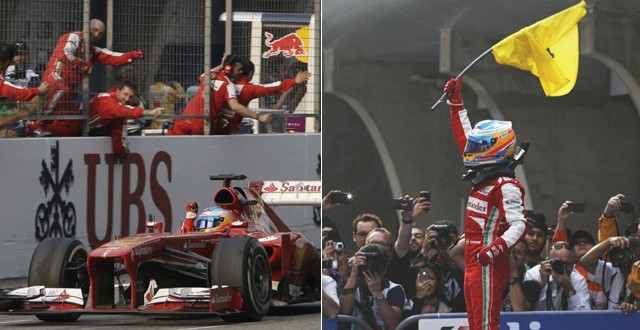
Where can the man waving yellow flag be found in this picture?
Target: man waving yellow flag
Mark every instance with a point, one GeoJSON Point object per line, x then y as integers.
{"type": "Point", "coordinates": [549, 49]}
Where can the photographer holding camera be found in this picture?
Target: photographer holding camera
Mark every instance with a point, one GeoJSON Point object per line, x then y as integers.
{"type": "Point", "coordinates": [437, 250]}
{"type": "Point", "coordinates": [563, 288]}
{"type": "Point", "coordinates": [607, 288]}
{"type": "Point", "coordinates": [362, 225]}
{"type": "Point", "coordinates": [334, 261]}
{"type": "Point", "coordinates": [407, 247]}
{"type": "Point", "coordinates": [367, 293]}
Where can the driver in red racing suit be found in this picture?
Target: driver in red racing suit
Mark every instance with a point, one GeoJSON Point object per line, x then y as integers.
{"type": "Point", "coordinates": [494, 217]}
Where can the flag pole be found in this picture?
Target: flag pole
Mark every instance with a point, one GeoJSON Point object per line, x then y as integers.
{"type": "Point", "coordinates": [444, 95]}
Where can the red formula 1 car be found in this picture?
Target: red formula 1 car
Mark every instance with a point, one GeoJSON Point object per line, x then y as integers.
{"type": "Point", "coordinates": [235, 260]}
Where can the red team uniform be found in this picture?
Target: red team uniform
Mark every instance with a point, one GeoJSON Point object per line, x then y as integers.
{"type": "Point", "coordinates": [62, 88]}
{"type": "Point", "coordinates": [16, 93]}
{"type": "Point", "coordinates": [244, 91]}
{"type": "Point", "coordinates": [494, 217]}
{"type": "Point", "coordinates": [247, 92]}
{"type": "Point", "coordinates": [108, 113]}
{"type": "Point", "coordinates": [223, 91]}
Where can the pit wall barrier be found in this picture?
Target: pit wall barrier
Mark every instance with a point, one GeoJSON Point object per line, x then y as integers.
{"type": "Point", "coordinates": [75, 187]}
{"type": "Point", "coordinates": [585, 320]}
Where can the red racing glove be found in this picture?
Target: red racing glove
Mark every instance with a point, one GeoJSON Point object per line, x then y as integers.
{"type": "Point", "coordinates": [134, 54]}
{"type": "Point", "coordinates": [453, 88]}
{"type": "Point", "coordinates": [489, 253]}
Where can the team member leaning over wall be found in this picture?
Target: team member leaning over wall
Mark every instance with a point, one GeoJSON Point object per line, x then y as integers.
{"type": "Point", "coordinates": [109, 112]}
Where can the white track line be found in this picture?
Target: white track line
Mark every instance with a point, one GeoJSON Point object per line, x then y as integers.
{"type": "Point", "coordinates": [16, 321]}
{"type": "Point", "coordinates": [208, 327]}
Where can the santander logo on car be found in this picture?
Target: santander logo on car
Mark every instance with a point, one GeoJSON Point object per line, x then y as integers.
{"type": "Point", "coordinates": [292, 187]}
{"type": "Point", "coordinates": [270, 188]}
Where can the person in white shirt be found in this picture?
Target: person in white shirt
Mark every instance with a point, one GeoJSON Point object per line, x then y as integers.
{"type": "Point", "coordinates": [19, 73]}
{"type": "Point", "coordinates": [607, 281]}
{"type": "Point", "coordinates": [330, 302]}
{"type": "Point", "coordinates": [563, 288]}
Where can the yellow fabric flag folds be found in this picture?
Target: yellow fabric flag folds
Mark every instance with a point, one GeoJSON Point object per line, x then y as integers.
{"type": "Point", "coordinates": [549, 49]}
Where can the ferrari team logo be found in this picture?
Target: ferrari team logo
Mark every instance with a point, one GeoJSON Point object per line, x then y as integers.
{"type": "Point", "coordinates": [55, 217]}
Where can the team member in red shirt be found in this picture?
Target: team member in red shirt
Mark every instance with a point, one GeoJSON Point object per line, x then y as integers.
{"type": "Point", "coordinates": [109, 111]}
{"type": "Point", "coordinates": [223, 95]}
{"type": "Point", "coordinates": [13, 92]}
{"type": "Point", "coordinates": [65, 70]}
{"type": "Point", "coordinates": [248, 91]}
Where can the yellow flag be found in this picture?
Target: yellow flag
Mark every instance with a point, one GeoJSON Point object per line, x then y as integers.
{"type": "Point", "coordinates": [549, 49]}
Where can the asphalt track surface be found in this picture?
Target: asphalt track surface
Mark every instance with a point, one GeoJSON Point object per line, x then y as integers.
{"type": "Point", "coordinates": [302, 316]}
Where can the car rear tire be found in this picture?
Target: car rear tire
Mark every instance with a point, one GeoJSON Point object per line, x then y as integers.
{"type": "Point", "coordinates": [59, 263]}
{"type": "Point", "coordinates": [243, 263]}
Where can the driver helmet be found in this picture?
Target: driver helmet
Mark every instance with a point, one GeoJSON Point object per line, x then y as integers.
{"type": "Point", "coordinates": [213, 218]}
{"type": "Point", "coordinates": [490, 142]}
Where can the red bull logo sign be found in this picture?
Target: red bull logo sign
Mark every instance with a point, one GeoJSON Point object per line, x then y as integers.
{"type": "Point", "coordinates": [291, 45]}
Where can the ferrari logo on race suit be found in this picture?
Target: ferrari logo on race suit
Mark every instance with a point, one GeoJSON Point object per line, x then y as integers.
{"type": "Point", "coordinates": [50, 180]}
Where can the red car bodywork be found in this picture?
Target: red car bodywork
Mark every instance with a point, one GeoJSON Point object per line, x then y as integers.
{"type": "Point", "coordinates": [183, 259]}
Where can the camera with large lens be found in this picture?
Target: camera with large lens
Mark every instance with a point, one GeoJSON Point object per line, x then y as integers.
{"type": "Point", "coordinates": [445, 233]}
{"type": "Point", "coordinates": [340, 197]}
{"type": "Point", "coordinates": [405, 203]}
{"type": "Point", "coordinates": [620, 257]}
{"type": "Point", "coordinates": [558, 266]}
{"type": "Point", "coordinates": [376, 257]}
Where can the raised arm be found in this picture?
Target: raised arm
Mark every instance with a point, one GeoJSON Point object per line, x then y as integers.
{"type": "Point", "coordinates": [607, 223]}
{"type": "Point", "coordinates": [590, 259]}
{"type": "Point", "coordinates": [460, 123]}
{"type": "Point", "coordinates": [109, 57]}
{"type": "Point", "coordinates": [560, 234]}
{"type": "Point", "coordinates": [404, 227]}
{"type": "Point", "coordinates": [278, 87]}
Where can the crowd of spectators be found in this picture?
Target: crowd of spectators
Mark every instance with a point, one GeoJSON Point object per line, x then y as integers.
{"type": "Point", "coordinates": [420, 270]}
{"type": "Point", "coordinates": [229, 84]}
